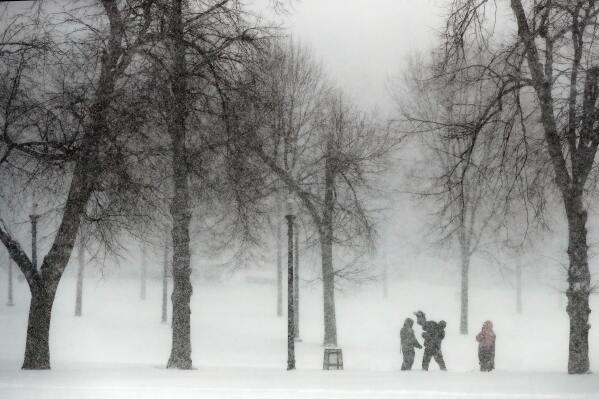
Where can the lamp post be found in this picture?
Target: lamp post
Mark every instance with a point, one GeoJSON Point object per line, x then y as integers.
{"type": "Point", "coordinates": [290, 216]}
{"type": "Point", "coordinates": [296, 333]}
{"type": "Point", "coordinates": [34, 217]}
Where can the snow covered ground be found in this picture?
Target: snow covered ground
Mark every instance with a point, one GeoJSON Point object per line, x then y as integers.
{"type": "Point", "coordinates": [118, 349]}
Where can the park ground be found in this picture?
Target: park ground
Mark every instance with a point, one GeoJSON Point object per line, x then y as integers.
{"type": "Point", "coordinates": [119, 348]}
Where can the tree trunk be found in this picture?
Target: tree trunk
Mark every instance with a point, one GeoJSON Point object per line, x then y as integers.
{"type": "Point", "coordinates": [182, 289]}
{"type": "Point", "coordinates": [465, 270]}
{"type": "Point", "coordinates": [81, 267]}
{"type": "Point", "coordinates": [296, 284]}
{"type": "Point", "coordinates": [326, 241]}
{"type": "Point", "coordinates": [290, 296]}
{"type": "Point", "coordinates": [519, 287]}
{"type": "Point", "coordinates": [165, 283]}
{"type": "Point", "coordinates": [37, 348]}
{"type": "Point", "coordinates": [328, 287]}
{"type": "Point", "coordinates": [464, 243]}
{"type": "Point", "coordinates": [180, 210]}
{"type": "Point", "coordinates": [144, 273]}
{"type": "Point", "coordinates": [10, 301]}
{"type": "Point", "coordinates": [279, 260]}
{"type": "Point", "coordinates": [579, 283]}
{"type": "Point", "coordinates": [33, 217]}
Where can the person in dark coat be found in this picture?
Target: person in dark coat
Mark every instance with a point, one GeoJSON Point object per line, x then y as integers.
{"type": "Point", "coordinates": [486, 347]}
{"type": "Point", "coordinates": [433, 334]}
{"type": "Point", "coordinates": [408, 343]}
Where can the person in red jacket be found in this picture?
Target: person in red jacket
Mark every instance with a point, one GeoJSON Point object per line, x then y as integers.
{"type": "Point", "coordinates": [486, 347]}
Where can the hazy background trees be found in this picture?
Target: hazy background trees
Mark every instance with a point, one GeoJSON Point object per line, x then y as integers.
{"type": "Point", "coordinates": [329, 153]}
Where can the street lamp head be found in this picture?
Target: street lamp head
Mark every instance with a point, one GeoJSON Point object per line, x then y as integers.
{"type": "Point", "coordinates": [34, 215]}
{"type": "Point", "coordinates": [290, 208]}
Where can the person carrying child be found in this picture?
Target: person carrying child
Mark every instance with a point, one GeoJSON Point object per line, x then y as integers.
{"type": "Point", "coordinates": [433, 334]}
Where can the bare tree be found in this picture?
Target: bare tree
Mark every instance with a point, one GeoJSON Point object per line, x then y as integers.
{"type": "Point", "coordinates": [551, 62]}
{"type": "Point", "coordinates": [79, 148]}
{"type": "Point", "coordinates": [469, 211]}
{"type": "Point", "coordinates": [191, 68]}
{"type": "Point", "coordinates": [333, 151]}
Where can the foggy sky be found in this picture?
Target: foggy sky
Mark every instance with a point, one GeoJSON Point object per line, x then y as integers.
{"type": "Point", "coordinates": [362, 43]}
